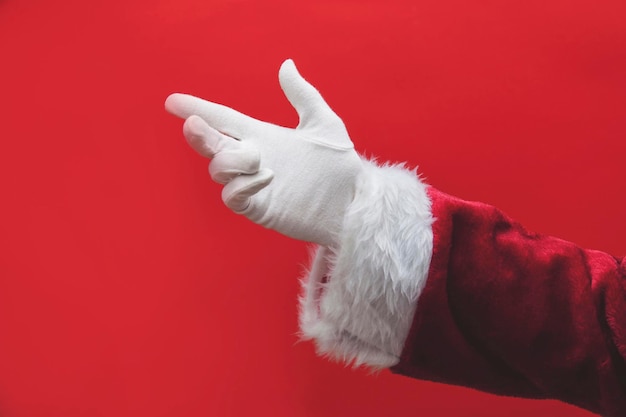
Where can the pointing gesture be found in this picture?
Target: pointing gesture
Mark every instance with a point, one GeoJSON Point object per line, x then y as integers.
{"type": "Point", "coordinates": [299, 181]}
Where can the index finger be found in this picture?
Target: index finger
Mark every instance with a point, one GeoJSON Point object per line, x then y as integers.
{"type": "Point", "coordinates": [224, 119]}
{"type": "Point", "coordinates": [204, 139]}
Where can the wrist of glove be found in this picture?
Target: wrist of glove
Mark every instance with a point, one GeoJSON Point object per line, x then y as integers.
{"type": "Point", "coordinates": [297, 181]}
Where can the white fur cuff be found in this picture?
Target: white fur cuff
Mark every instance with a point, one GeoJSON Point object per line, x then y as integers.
{"type": "Point", "coordinates": [358, 301]}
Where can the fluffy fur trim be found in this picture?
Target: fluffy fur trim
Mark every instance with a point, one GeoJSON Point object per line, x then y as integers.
{"type": "Point", "coordinates": [359, 299]}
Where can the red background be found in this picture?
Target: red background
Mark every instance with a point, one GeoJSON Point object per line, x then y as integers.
{"type": "Point", "coordinates": [127, 289]}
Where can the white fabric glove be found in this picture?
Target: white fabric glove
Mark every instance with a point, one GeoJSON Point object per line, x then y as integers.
{"type": "Point", "coordinates": [299, 181]}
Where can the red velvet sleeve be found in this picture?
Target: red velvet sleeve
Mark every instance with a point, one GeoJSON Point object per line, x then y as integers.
{"type": "Point", "coordinates": [516, 313]}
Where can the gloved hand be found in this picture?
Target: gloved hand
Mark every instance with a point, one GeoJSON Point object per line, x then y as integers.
{"type": "Point", "coordinates": [299, 181]}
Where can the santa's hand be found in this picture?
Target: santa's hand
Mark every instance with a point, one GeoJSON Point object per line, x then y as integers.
{"type": "Point", "coordinates": [299, 181]}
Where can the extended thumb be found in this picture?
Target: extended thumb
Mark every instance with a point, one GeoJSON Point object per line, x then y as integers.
{"type": "Point", "coordinates": [305, 98]}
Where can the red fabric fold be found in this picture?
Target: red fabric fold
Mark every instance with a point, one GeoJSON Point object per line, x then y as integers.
{"type": "Point", "coordinates": [517, 313]}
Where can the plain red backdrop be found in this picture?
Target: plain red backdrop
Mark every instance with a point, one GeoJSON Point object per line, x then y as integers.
{"type": "Point", "coordinates": [127, 289]}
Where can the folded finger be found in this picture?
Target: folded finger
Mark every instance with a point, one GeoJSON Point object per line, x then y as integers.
{"type": "Point", "coordinates": [204, 139]}
{"type": "Point", "coordinates": [228, 164]}
{"type": "Point", "coordinates": [237, 193]}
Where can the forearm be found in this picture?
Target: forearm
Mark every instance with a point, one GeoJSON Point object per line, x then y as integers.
{"type": "Point", "coordinates": [522, 314]}
{"type": "Point", "coordinates": [503, 310]}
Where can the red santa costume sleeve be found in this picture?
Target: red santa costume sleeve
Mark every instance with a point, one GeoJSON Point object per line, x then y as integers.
{"type": "Point", "coordinates": [446, 290]}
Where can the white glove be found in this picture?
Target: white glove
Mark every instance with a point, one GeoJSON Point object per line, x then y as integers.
{"type": "Point", "coordinates": [299, 181]}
